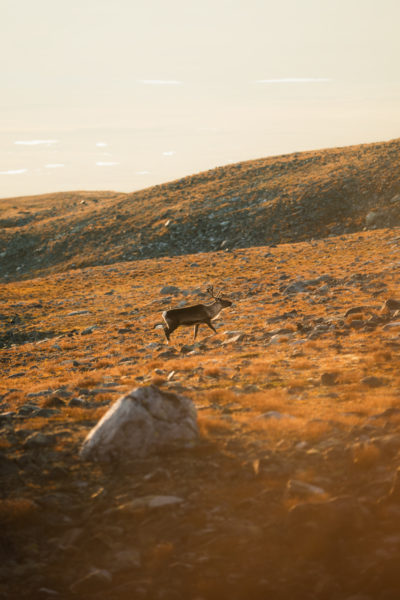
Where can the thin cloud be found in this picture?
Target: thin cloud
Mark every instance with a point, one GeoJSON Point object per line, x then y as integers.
{"type": "Point", "coordinates": [54, 165]}
{"type": "Point", "coordinates": [169, 153]}
{"type": "Point", "coordinates": [35, 142]}
{"type": "Point", "coordinates": [14, 172]}
{"type": "Point", "coordinates": [106, 164]}
{"type": "Point", "coordinates": [142, 172]}
{"type": "Point", "coordinates": [101, 144]}
{"type": "Point", "coordinates": [294, 80]}
{"type": "Point", "coordinates": [160, 81]}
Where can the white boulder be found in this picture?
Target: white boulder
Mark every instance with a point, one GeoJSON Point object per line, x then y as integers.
{"type": "Point", "coordinates": [144, 422]}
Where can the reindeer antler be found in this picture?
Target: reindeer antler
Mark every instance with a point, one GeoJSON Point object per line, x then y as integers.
{"type": "Point", "coordinates": [210, 290]}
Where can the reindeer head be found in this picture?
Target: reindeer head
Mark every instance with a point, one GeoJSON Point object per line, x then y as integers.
{"type": "Point", "coordinates": [218, 298]}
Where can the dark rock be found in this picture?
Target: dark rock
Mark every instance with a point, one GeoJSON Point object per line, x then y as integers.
{"type": "Point", "coordinates": [27, 410]}
{"type": "Point", "coordinates": [88, 330]}
{"type": "Point", "coordinates": [38, 440]}
{"type": "Point", "coordinates": [357, 324]}
{"type": "Point", "coordinates": [79, 403]}
{"type": "Point", "coordinates": [373, 381]}
{"type": "Point", "coordinates": [47, 412]}
{"type": "Point", "coordinates": [7, 416]}
{"type": "Point", "coordinates": [391, 304]}
{"type": "Point", "coordinates": [170, 289]}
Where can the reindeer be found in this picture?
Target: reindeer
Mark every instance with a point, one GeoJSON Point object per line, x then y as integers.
{"type": "Point", "coordinates": [194, 315]}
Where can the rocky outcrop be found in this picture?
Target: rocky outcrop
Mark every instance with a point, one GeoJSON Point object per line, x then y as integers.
{"type": "Point", "coordinates": [144, 422]}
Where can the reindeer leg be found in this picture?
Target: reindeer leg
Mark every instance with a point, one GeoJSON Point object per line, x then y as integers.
{"type": "Point", "coordinates": [171, 328]}
{"type": "Point", "coordinates": [196, 328]}
{"type": "Point", "coordinates": [166, 331]}
{"type": "Point", "coordinates": [211, 326]}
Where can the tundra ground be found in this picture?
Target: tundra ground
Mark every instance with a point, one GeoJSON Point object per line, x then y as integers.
{"type": "Point", "coordinates": [293, 489]}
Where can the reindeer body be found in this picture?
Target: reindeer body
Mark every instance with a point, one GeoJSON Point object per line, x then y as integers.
{"type": "Point", "coordinates": [193, 315]}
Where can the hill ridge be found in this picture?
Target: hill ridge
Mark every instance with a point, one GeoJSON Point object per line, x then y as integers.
{"type": "Point", "coordinates": [287, 198]}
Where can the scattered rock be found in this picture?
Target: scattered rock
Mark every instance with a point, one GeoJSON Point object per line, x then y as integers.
{"type": "Point", "coordinates": [274, 414]}
{"type": "Point", "coordinates": [7, 416]}
{"type": "Point", "coordinates": [390, 304]}
{"type": "Point", "coordinates": [47, 412]}
{"type": "Point", "coordinates": [27, 410]}
{"type": "Point", "coordinates": [277, 339]}
{"type": "Point", "coordinates": [295, 487]}
{"type": "Point", "coordinates": [373, 381]}
{"type": "Point", "coordinates": [38, 440]}
{"type": "Point", "coordinates": [357, 324]}
{"type": "Point", "coordinates": [300, 285]}
{"type": "Point", "coordinates": [125, 560]}
{"type": "Point", "coordinates": [79, 403]}
{"type": "Point", "coordinates": [186, 348]}
{"type": "Point", "coordinates": [372, 218]}
{"type": "Point", "coordinates": [145, 421]}
{"type": "Point", "coordinates": [170, 353]}
{"type": "Point", "coordinates": [94, 581]}
{"type": "Point", "coordinates": [394, 325]}
{"type": "Point", "coordinates": [170, 289]}
{"type": "Point", "coordinates": [329, 378]}
{"type": "Point", "coordinates": [150, 502]}
{"type": "Point", "coordinates": [356, 310]}
{"type": "Point", "coordinates": [236, 338]}
{"type": "Point", "coordinates": [40, 394]}
{"type": "Point", "coordinates": [88, 330]}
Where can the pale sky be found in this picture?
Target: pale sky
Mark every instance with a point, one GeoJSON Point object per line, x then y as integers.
{"type": "Point", "coordinates": [124, 94]}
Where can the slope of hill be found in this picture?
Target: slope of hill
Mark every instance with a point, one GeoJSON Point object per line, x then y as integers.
{"type": "Point", "coordinates": [293, 490]}
{"type": "Point", "coordinates": [267, 201]}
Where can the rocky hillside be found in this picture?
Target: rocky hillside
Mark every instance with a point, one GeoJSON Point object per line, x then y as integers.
{"type": "Point", "coordinates": [292, 490]}
{"type": "Point", "coordinates": [281, 199]}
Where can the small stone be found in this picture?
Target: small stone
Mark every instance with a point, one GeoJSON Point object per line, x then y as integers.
{"type": "Point", "coordinates": [357, 324]}
{"type": "Point", "coordinates": [324, 289]}
{"type": "Point", "coordinates": [168, 353]}
{"type": "Point", "coordinates": [79, 403]}
{"type": "Point", "coordinates": [125, 560]}
{"type": "Point", "coordinates": [7, 416]}
{"type": "Point", "coordinates": [329, 378]}
{"type": "Point", "coordinates": [296, 487]}
{"type": "Point", "coordinates": [372, 218]}
{"type": "Point", "coordinates": [47, 412]}
{"type": "Point", "coordinates": [150, 502]}
{"type": "Point", "coordinates": [54, 402]}
{"type": "Point", "coordinates": [186, 348]}
{"type": "Point", "coordinates": [278, 338]}
{"type": "Point", "coordinates": [373, 381]}
{"type": "Point", "coordinates": [27, 410]}
{"type": "Point", "coordinates": [391, 304]}
{"type": "Point", "coordinates": [38, 440]}
{"type": "Point", "coordinates": [236, 338]}
{"type": "Point", "coordinates": [274, 414]}
{"type": "Point", "coordinates": [88, 330]}
{"type": "Point", "coordinates": [394, 325]}
{"type": "Point", "coordinates": [170, 289]}
{"type": "Point", "coordinates": [95, 580]}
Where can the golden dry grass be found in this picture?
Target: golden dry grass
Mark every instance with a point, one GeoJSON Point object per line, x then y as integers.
{"type": "Point", "coordinates": [265, 416]}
